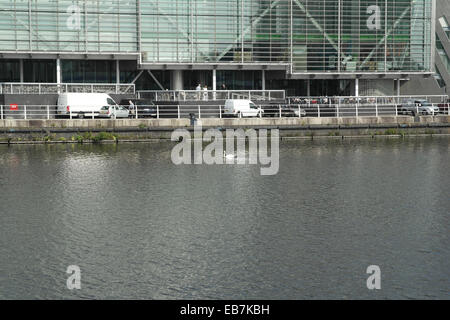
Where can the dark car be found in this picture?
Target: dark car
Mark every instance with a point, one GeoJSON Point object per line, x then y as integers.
{"type": "Point", "coordinates": [444, 108]}
{"type": "Point", "coordinates": [145, 108]}
{"type": "Point", "coordinates": [273, 110]}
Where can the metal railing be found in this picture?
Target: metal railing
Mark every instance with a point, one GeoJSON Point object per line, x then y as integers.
{"type": "Point", "coordinates": [55, 88]}
{"type": "Point", "coordinates": [299, 110]}
{"type": "Point", "coordinates": [372, 105]}
{"type": "Point", "coordinates": [367, 100]}
{"type": "Point", "coordinates": [210, 95]}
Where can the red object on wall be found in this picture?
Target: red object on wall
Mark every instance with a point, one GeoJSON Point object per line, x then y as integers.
{"type": "Point", "coordinates": [13, 107]}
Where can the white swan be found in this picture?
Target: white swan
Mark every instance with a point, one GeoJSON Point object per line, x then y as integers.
{"type": "Point", "coordinates": [228, 156]}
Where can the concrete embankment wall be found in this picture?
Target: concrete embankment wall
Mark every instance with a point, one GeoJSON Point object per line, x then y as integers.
{"type": "Point", "coordinates": [212, 122]}
{"type": "Point", "coordinates": [162, 128]}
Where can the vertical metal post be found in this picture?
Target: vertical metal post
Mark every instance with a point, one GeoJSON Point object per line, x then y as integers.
{"type": "Point", "coordinates": [299, 112]}
{"type": "Point", "coordinates": [220, 112]}
{"type": "Point", "coordinates": [157, 112]}
{"type": "Point", "coordinates": [199, 112]}
{"type": "Point", "coordinates": [30, 26]}
{"type": "Point", "coordinates": [48, 112]}
{"type": "Point", "coordinates": [139, 25]}
{"type": "Point", "coordinates": [339, 36]}
{"type": "Point", "coordinates": [242, 32]}
{"type": "Point", "coordinates": [136, 112]}
{"type": "Point", "coordinates": [318, 110]}
{"type": "Point", "coordinates": [376, 108]}
{"type": "Point", "coordinates": [291, 36]}
{"type": "Point", "coordinates": [179, 115]}
{"type": "Point", "coordinates": [25, 112]}
{"type": "Point", "coordinates": [279, 108]}
{"type": "Point", "coordinates": [356, 107]}
{"type": "Point", "coordinates": [386, 33]}
{"type": "Point", "coordinates": [337, 107]}
{"type": "Point", "coordinates": [1, 111]}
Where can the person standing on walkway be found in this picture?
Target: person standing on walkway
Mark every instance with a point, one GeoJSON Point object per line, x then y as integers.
{"type": "Point", "coordinates": [199, 88]}
{"type": "Point", "coordinates": [131, 108]}
{"type": "Point", "coordinates": [224, 89]}
{"type": "Point", "coordinates": [205, 93]}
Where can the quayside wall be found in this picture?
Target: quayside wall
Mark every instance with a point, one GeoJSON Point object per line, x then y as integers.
{"type": "Point", "coordinates": [135, 129]}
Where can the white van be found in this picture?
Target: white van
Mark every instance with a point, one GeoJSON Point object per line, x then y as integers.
{"type": "Point", "coordinates": [242, 108]}
{"type": "Point", "coordinates": [83, 104]}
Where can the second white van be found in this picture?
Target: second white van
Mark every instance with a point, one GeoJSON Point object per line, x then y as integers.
{"type": "Point", "coordinates": [83, 104]}
{"type": "Point", "coordinates": [241, 108]}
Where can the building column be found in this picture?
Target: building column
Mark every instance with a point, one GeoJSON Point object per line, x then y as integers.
{"type": "Point", "coordinates": [214, 83]}
{"type": "Point", "coordinates": [21, 70]}
{"type": "Point", "coordinates": [356, 87]}
{"type": "Point", "coordinates": [176, 80]}
{"type": "Point", "coordinates": [58, 70]}
{"type": "Point", "coordinates": [214, 79]}
{"type": "Point", "coordinates": [263, 76]}
{"type": "Point", "coordinates": [117, 71]}
{"type": "Point", "coordinates": [398, 87]}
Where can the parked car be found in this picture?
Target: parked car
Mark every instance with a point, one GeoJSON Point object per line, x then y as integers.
{"type": "Point", "coordinates": [444, 108]}
{"type": "Point", "coordinates": [241, 108]}
{"type": "Point", "coordinates": [113, 112]}
{"type": "Point", "coordinates": [286, 111]}
{"type": "Point", "coordinates": [415, 107]}
{"type": "Point", "coordinates": [145, 108]}
{"type": "Point", "coordinates": [83, 104]}
{"type": "Point", "coordinates": [298, 112]}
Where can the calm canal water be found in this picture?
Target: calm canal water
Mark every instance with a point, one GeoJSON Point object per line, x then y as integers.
{"type": "Point", "coordinates": [140, 227]}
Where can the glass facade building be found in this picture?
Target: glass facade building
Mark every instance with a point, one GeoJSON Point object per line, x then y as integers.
{"type": "Point", "coordinates": [304, 38]}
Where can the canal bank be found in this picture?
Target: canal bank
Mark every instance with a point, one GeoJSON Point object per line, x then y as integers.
{"type": "Point", "coordinates": [94, 130]}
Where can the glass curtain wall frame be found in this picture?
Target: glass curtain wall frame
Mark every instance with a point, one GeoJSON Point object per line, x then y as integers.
{"type": "Point", "coordinates": [215, 31]}
{"type": "Point", "coordinates": [69, 26]}
{"type": "Point", "coordinates": [313, 36]}
{"type": "Point", "coordinates": [374, 36]}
